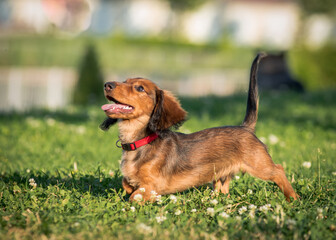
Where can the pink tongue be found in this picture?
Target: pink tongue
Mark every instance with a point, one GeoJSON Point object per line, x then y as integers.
{"type": "Point", "coordinates": [108, 106]}
{"type": "Point", "coordinates": [116, 108]}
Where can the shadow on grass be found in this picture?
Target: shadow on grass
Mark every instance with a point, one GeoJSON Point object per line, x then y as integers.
{"type": "Point", "coordinates": [96, 185]}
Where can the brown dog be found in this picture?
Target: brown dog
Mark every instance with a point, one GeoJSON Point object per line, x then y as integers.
{"type": "Point", "coordinates": [158, 159]}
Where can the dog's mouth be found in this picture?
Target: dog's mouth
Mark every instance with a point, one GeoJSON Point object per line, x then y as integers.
{"type": "Point", "coordinates": [116, 107]}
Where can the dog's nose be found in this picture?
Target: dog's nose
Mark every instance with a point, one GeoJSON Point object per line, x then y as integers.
{"type": "Point", "coordinates": [109, 86]}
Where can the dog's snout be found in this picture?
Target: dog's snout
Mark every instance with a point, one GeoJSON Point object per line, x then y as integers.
{"type": "Point", "coordinates": [109, 86]}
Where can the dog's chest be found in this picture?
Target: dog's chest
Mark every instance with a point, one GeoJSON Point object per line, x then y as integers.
{"type": "Point", "coordinates": [129, 170]}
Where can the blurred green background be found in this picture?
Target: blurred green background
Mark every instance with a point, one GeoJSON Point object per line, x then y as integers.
{"type": "Point", "coordinates": [44, 46]}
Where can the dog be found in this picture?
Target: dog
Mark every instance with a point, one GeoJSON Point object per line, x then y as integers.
{"type": "Point", "coordinates": [156, 159]}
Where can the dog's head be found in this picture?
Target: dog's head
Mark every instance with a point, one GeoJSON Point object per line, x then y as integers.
{"type": "Point", "coordinates": [138, 99]}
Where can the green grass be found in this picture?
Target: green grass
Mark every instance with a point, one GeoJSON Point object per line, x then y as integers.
{"type": "Point", "coordinates": [89, 202]}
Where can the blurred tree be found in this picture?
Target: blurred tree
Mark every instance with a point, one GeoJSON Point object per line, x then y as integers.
{"type": "Point", "coordinates": [89, 88]}
{"type": "Point", "coordinates": [318, 6]}
{"type": "Point", "coordinates": [184, 5]}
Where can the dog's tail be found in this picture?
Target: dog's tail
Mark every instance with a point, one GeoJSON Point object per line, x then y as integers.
{"type": "Point", "coordinates": [251, 115]}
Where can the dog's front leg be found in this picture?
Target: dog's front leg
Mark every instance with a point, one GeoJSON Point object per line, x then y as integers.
{"type": "Point", "coordinates": [143, 194]}
{"type": "Point", "coordinates": [128, 188]}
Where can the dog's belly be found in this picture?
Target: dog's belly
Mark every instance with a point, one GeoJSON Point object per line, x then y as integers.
{"type": "Point", "coordinates": [196, 177]}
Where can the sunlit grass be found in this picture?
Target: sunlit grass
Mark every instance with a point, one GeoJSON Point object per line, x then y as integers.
{"type": "Point", "coordinates": [59, 176]}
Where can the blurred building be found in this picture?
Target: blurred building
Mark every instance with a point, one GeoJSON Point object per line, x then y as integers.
{"type": "Point", "coordinates": [274, 23]}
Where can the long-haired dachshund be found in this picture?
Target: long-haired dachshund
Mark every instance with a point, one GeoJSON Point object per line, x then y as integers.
{"type": "Point", "coordinates": [157, 159]}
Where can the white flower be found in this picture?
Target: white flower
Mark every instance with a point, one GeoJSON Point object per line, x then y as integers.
{"type": "Point", "coordinates": [137, 197]}
{"type": "Point", "coordinates": [123, 209]}
{"type": "Point", "coordinates": [273, 139]}
{"type": "Point", "coordinates": [153, 193]}
{"type": "Point", "coordinates": [224, 215]}
{"type": "Point", "coordinates": [142, 190]}
{"type": "Point", "coordinates": [211, 211]}
{"type": "Point", "coordinates": [178, 212]}
{"type": "Point", "coordinates": [249, 191]}
{"type": "Point", "coordinates": [133, 209]}
{"type": "Point", "coordinates": [144, 229]}
{"type": "Point", "coordinates": [265, 208]}
{"type": "Point", "coordinates": [193, 210]}
{"type": "Point", "coordinates": [319, 213]}
{"type": "Point", "coordinates": [32, 182]}
{"type": "Point", "coordinates": [237, 177]}
{"type": "Point", "coordinates": [160, 219]}
{"type": "Point", "coordinates": [242, 210]}
{"type": "Point", "coordinates": [28, 171]}
{"type": "Point", "coordinates": [214, 202]}
{"type": "Point", "coordinates": [306, 164]}
{"type": "Point", "coordinates": [173, 198]}
{"type": "Point", "coordinates": [158, 199]}
{"type": "Point", "coordinates": [252, 207]}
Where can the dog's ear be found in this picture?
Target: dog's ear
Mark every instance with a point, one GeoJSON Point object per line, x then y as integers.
{"type": "Point", "coordinates": [167, 112]}
{"type": "Point", "coordinates": [108, 122]}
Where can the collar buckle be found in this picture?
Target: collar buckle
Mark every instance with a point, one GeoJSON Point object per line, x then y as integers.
{"type": "Point", "coordinates": [129, 146]}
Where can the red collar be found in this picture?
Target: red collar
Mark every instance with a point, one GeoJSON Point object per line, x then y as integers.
{"type": "Point", "coordinates": [134, 145]}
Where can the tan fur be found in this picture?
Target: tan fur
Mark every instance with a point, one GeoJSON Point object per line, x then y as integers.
{"type": "Point", "coordinates": [175, 161]}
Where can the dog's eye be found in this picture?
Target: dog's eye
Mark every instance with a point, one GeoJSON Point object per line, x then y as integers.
{"type": "Point", "coordinates": [140, 88]}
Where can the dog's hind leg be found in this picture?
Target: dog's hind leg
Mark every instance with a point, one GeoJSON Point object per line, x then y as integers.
{"type": "Point", "coordinates": [222, 185]}
{"type": "Point", "coordinates": [265, 169]}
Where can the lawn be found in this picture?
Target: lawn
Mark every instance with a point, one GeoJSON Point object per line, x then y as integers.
{"type": "Point", "coordinates": [60, 178]}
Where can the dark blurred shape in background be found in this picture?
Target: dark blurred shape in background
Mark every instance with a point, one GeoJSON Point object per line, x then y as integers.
{"type": "Point", "coordinates": [274, 74]}
{"type": "Point", "coordinates": [191, 47]}
{"type": "Point", "coordinates": [89, 86]}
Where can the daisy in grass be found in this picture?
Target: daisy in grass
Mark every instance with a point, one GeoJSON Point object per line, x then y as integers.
{"type": "Point", "coordinates": [32, 182]}
{"type": "Point", "coordinates": [211, 211]}
{"type": "Point", "coordinates": [265, 208]}
{"type": "Point", "coordinates": [242, 210]}
{"type": "Point", "coordinates": [160, 219]}
{"type": "Point", "coordinates": [273, 139]}
{"type": "Point", "coordinates": [306, 164]}
{"type": "Point", "coordinates": [224, 215]}
{"type": "Point", "coordinates": [173, 198]}
{"type": "Point", "coordinates": [137, 197]}
{"type": "Point", "coordinates": [178, 212]}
